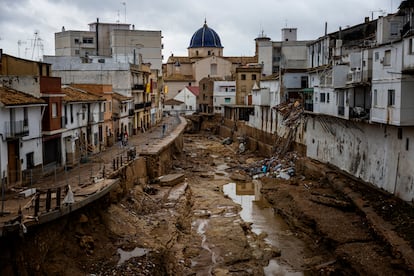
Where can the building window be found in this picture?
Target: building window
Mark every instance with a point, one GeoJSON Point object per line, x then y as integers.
{"type": "Point", "coordinates": [213, 69]}
{"type": "Point", "coordinates": [209, 53]}
{"type": "Point", "coordinates": [303, 82]}
{"type": "Point", "coordinates": [387, 58]}
{"type": "Point", "coordinates": [376, 56]}
{"type": "Point", "coordinates": [276, 59]}
{"type": "Point", "coordinates": [410, 46]}
{"type": "Point", "coordinates": [375, 97]}
{"type": "Point", "coordinates": [71, 113]}
{"type": "Point", "coordinates": [76, 40]}
{"type": "Point", "coordinates": [322, 97]}
{"type": "Point", "coordinates": [30, 160]}
{"type": "Point", "coordinates": [104, 107]}
{"type": "Point", "coordinates": [77, 52]}
{"type": "Point", "coordinates": [54, 110]}
{"type": "Point", "coordinates": [25, 117]}
{"type": "Point", "coordinates": [243, 77]}
{"type": "Point", "coordinates": [327, 97]}
{"type": "Point", "coordinates": [87, 40]}
{"type": "Point", "coordinates": [254, 77]}
{"type": "Point", "coordinates": [391, 97]}
{"type": "Point", "coordinates": [395, 27]}
{"type": "Point", "coordinates": [227, 100]}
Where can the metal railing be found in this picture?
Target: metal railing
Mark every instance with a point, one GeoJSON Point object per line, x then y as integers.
{"type": "Point", "coordinates": [139, 106]}
{"type": "Point", "coordinates": [16, 129]}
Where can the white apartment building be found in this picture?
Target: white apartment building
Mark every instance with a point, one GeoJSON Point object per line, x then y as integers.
{"type": "Point", "coordinates": [224, 92]}
{"type": "Point", "coordinates": [21, 145]}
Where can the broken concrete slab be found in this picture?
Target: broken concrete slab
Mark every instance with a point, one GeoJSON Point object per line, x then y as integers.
{"type": "Point", "coordinates": [171, 179]}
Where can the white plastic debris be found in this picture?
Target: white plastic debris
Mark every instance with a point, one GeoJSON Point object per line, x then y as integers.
{"type": "Point", "coordinates": [28, 192]}
{"type": "Point", "coordinates": [69, 198]}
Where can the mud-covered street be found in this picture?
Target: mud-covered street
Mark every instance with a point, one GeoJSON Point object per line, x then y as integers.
{"type": "Point", "coordinates": [308, 224]}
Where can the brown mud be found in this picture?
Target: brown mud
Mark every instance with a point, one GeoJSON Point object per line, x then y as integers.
{"type": "Point", "coordinates": [192, 228]}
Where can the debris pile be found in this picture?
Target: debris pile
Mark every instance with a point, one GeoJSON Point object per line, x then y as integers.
{"type": "Point", "coordinates": [273, 167]}
{"type": "Point", "coordinates": [291, 113]}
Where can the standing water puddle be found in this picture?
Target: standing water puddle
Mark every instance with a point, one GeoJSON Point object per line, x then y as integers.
{"type": "Point", "coordinates": [256, 210]}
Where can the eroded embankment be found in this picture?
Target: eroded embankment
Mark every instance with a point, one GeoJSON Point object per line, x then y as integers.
{"type": "Point", "coordinates": [323, 213]}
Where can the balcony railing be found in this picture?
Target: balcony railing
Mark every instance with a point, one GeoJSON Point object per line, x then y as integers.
{"type": "Point", "coordinates": [16, 129]}
{"type": "Point", "coordinates": [147, 104]}
{"type": "Point", "coordinates": [90, 118]}
{"type": "Point", "coordinates": [139, 106]}
{"type": "Point", "coordinates": [138, 87]}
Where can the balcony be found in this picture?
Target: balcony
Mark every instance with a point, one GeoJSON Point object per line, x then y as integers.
{"type": "Point", "coordinates": [148, 104]}
{"type": "Point", "coordinates": [139, 106]}
{"type": "Point", "coordinates": [16, 129]}
{"type": "Point", "coordinates": [354, 76]}
{"type": "Point", "coordinates": [115, 116]}
{"type": "Point", "coordinates": [138, 87]}
{"type": "Point", "coordinates": [90, 118]}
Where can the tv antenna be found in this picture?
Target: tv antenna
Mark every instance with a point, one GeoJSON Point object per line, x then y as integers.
{"type": "Point", "coordinates": [19, 43]}
{"type": "Point", "coordinates": [124, 4]}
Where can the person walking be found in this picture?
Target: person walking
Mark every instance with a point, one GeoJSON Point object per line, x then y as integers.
{"type": "Point", "coordinates": [125, 139]}
{"type": "Point", "coordinates": [163, 129]}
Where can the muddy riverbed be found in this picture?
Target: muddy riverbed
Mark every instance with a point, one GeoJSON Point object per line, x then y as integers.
{"type": "Point", "coordinates": [218, 221]}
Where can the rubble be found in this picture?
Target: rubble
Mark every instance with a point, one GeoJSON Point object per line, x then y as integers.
{"type": "Point", "coordinates": [291, 113]}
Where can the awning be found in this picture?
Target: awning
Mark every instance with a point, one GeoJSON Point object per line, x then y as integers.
{"type": "Point", "coordinates": [307, 90]}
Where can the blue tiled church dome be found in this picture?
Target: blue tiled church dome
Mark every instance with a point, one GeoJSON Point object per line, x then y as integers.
{"type": "Point", "coordinates": [205, 37]}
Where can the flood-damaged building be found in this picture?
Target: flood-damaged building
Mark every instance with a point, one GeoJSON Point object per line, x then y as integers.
{"type": "Point", "coordinates": [31, 119]}
{"type": "Point", "coordinates": [355, 109]}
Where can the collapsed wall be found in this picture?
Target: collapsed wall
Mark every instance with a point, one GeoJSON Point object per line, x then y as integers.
{"type": "Point", "coordinates": [374, 153]}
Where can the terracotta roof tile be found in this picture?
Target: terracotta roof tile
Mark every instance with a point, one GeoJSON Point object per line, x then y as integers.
{"type": "Point", "coordinates": [242, 60]}
{"type": "Point", "coordinates": [10, 97]}
{"type": "Point", "coordinates": [78, 95]}
{"type": "Point", "coordinates": [120, 97]}
{"type": "Point", "coordinates": [194, 89]}
{"type": "Point", "coordinates": [180, 59]}
{"type": "Point", "coordinates": [179, 77]}
{"type": "Point", "coordinates": [173, 102]}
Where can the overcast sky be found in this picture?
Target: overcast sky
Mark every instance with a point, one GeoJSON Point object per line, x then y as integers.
{"type": "Point", "coordinates": [237, 22]}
